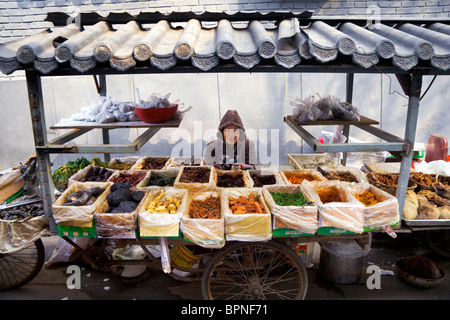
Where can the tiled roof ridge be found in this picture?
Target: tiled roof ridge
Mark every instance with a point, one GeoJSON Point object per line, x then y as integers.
{"type": "Point", "coordinates": [163, 46]}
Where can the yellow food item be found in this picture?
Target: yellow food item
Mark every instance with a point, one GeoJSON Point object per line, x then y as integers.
{"type": "Point", "coordinates": [167, 205]}
{"type": "Point", "coordinates": [367, 198]}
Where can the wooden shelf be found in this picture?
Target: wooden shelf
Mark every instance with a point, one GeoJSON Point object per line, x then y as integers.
{"type": "Point", "coordinates": [78, 128]}
{"type": "Point", "coordinates": [114, 125]}
{"type": "Point", "coordinates": [393, 143]}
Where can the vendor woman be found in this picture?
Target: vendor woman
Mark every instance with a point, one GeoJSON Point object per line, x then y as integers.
{"type": "Point", "coordinates": [231, 146]}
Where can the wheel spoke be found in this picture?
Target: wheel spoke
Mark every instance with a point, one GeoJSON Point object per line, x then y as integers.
{"type": "Point", "coordinates": [255, 271]}
{"type": "Point", "coordinates": [20, 267]}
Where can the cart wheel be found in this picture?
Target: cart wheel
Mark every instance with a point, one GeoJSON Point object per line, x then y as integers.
{"type": "Point", "coordinates": [256, 271]}
{"type": "Point", "coordinates": [19, 268]}
{"type": "Point", "coordinates": [439, 241]}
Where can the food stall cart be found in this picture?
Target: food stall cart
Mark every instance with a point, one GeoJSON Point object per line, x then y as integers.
{"type": "Point", "coordinates": [311, 46]}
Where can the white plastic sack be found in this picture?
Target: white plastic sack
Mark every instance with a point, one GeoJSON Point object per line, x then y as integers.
{"type": "Point", "coordinates": [433, 167]}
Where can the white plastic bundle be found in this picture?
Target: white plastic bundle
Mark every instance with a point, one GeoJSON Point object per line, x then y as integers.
{"type": "Point", "coordinates": [156, 101]}
{"type": "Point", "coordinates": [107, 110]}
{"type": "Point", "coordinates": [327, 108]}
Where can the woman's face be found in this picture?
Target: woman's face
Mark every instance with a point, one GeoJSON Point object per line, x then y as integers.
{"type": "Point", "coordinates": [231, 134]}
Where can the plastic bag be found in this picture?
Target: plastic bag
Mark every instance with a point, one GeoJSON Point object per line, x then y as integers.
{"type": "Point", "coordinates": [384, 213]}
{"type": "Point", "coordinates": [66, 252]}
{"type": "Point", "coordinates": [342, 210]}
{"type": "Point", "coordinates": [440, 167]}
{"type": "Point", "coordinates": [207, 233]}
{"type": "Point", "coordinates": [327, 108]}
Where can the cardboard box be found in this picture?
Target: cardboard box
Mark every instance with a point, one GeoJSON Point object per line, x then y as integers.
{"type": "Point", "coordinates": [345, 213]}
{"type": "Point", "coordinates": [197, 186]}
{"type": "Point", "coordinates": [248, 182]}
{"type": "Point", "coordinates": [246, 227]}
{"type": "Point", "coordinates": [142, 162]}
{"type": "Point", "coordinates": [80, 216]}
{"type": "Point", "coordinates": [158, 224]}
{"type": "Point", "coordinates": [307, 174]}
{"type": "Point", "coordinates": [115, 225]}
{"type": "Point", "coordinates": [301, 218]}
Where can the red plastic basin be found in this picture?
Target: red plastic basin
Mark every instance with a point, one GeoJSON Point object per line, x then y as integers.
{"type": "Point", "coordinates": [156, 115]}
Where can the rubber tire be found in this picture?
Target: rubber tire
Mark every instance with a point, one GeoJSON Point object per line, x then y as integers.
{"type": "Point", "coordinates": [31, 274]}
{"type": "Point", "coordinates": [230, 248]}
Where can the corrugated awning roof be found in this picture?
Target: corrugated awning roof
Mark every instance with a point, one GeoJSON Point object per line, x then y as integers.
{"type": "Point", "coordinates": [287, 44]}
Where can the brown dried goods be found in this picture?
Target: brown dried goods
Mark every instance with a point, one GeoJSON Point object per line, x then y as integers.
{"type": "Point", "coordinates": [262, 180]}
{"type": "Point", "coordinates": [205, 209]}
{"type": "Point", "coordinates": [387, 179]}
{"type": "Point", "coordinates": [444, 180]}
{"type": "Point", "coordinates": [342, 176]}
{"type": "Point", "coordinates": [195, 175]}
{"type": "Point", "coordinates": [329, 194]}
{"type": "Point", "coordinates": [230, 181]}
{"type": "Point", "coordinates": [424, 179]}
{"type": "Point", "coordinates": [154, 163]}
{"type": "Point", "coordinates": [132, 177]}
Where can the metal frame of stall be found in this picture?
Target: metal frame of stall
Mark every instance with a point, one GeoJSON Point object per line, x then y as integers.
{"type": "Point", "coordinates": [411, 82]}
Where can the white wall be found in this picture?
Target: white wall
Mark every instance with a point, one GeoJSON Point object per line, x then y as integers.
{"type": "Point", "coordinates": [261, 99]}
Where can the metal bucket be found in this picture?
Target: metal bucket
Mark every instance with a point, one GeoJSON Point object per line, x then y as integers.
{"type": "Point", "coordinates": [341, 270]}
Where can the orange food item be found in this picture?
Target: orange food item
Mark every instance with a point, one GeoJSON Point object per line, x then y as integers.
{"type": "Point", "coordinates": [329, 194]}
{"type": "Point", "coordinates": [297, 179]}
{"type": "Point", "coordinates": [242, 205]}
{"type": "Point", "coordinates": [367, 198]}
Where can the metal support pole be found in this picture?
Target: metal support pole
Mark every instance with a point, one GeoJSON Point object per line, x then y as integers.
{"type": "Point", "coordinates": [105, 132]}
{"type": "Point", "coordinates": [410, 133]}
{"type": "Point", "coordinates": [40, 139]}
{"type": "Point", "coordinates": [349, 99]}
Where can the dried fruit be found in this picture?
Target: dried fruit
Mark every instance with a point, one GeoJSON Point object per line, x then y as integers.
{"type": "Point", "coordinates": [242, 205]}
{"type": "Point", "coordinates": [205, 209]}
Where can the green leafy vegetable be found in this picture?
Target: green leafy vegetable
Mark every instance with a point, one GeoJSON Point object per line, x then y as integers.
{"type": "Point", "coordinates": [289, 199]}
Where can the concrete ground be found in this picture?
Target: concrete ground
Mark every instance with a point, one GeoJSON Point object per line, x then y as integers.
{"type": "Point", "coordinates": [50, 284]}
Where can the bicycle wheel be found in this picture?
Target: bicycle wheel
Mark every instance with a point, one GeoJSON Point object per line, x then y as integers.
{"type": "Point", "coordinates": [255, 271]}
{"type": "Point", "coordinates": [19, 268]}
{"type": "Point", "coordinates": [439, 241]}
